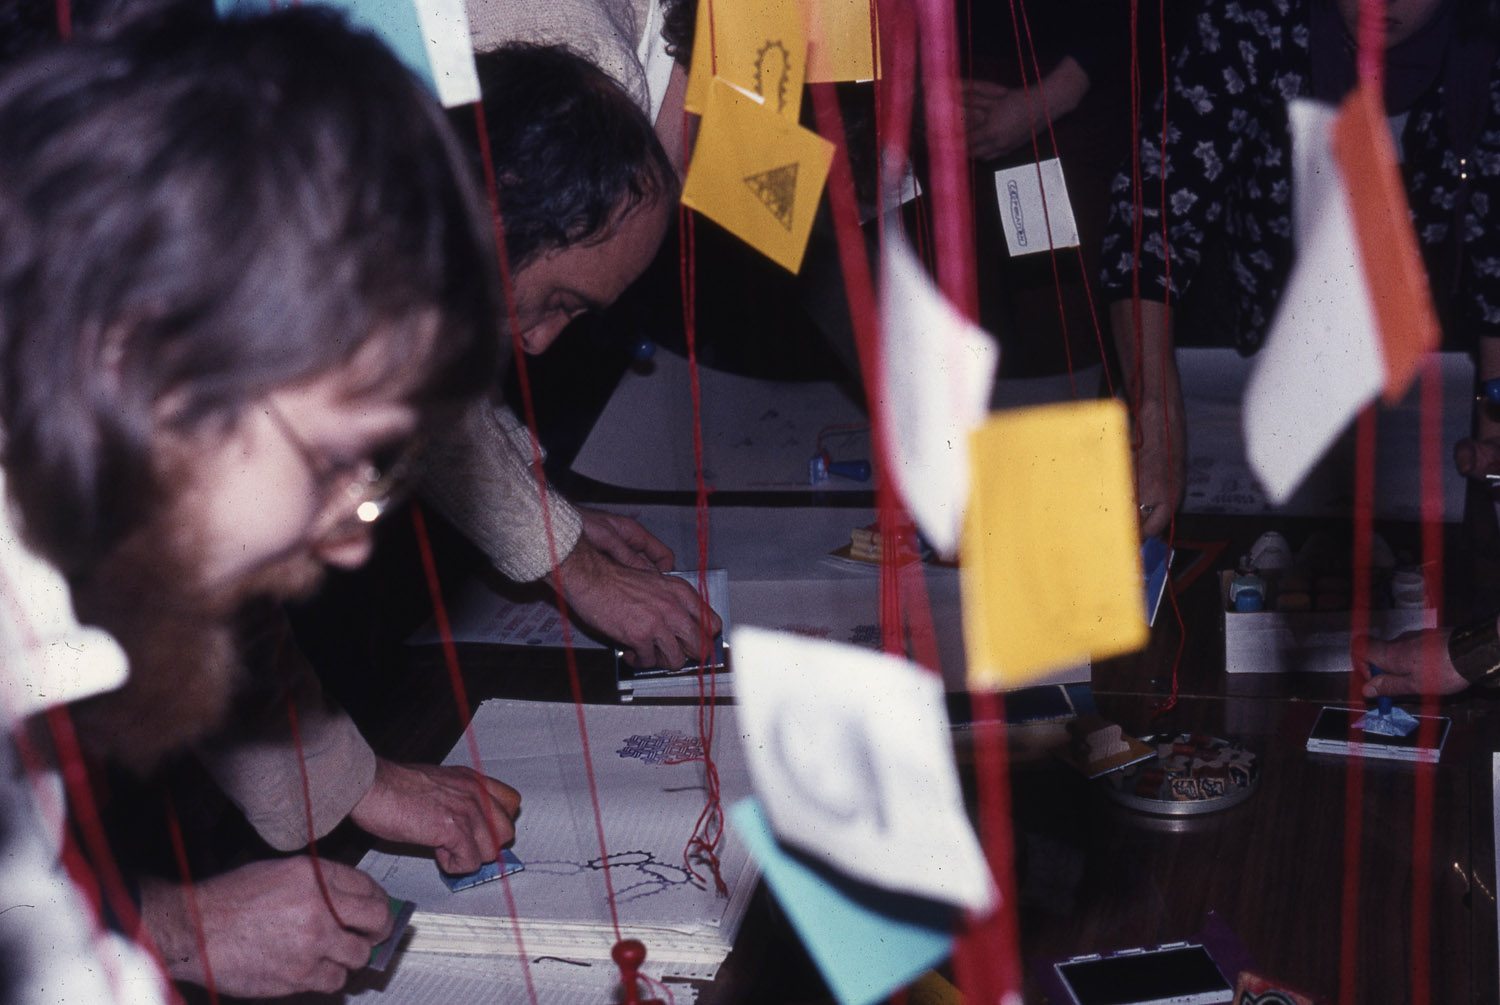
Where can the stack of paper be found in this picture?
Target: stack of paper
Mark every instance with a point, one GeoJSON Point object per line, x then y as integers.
{"type": "Point", "coordinates": [650, 795]}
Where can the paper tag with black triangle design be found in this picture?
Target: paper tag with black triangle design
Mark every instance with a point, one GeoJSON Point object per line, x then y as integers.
{"type": "Point", "coordinates": [757, 174]}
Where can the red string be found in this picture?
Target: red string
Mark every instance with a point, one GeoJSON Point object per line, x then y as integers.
{"type": "Point", "coordinates": [992, 943]}
{"type": "Point", "coordinates": [1018, 23]}
{"type": "Point", "coordinates": [98, 876]}
{"type": "Point", "coordinates": [1354, 777]}
{"type": "Point", "coordinates": [1432, 552]}
{"type": "Point", "coordinates": [190, 894]}
{"type": "Point", "coordinates": [1088, 286]}
{"type": "Point", "coordinates": [708, 829]}
{"type": "Point", "coordinates": [65, 19]}
{"type": "Point", "coordinates": [529, 408]}
{"type": "Point", "coordinates": [312, 836]}
{"type": "Point", "coordinates": [461, 698]}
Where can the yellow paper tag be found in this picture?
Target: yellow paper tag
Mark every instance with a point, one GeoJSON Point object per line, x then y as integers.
{"type": "Point", "coordinates": [839, 34]}
{"type": "Point", "coordinates": [1049, 558]}
{"type": "Point", "coordinates": [757, 174]}
{"type": "Point", "coordinates": [760, 46]}
{"type": "Point", "coordinates": [933, 989]}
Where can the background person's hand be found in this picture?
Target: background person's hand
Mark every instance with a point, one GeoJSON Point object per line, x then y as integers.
{"type": "Point", "coordinates": [1413, 663]}
{"type": "Point", "coordinates": [1475, 458]}
{"type": "Point", "coordinates": [997, 118]}
{"type": "Point", "coordinates": [268, 931]}
{"type": "Point", "coordinates": [464, 816]}
{"type": "Point", "coordinates": [1160, 466]}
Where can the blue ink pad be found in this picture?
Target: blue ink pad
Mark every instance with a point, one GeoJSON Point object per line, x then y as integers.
{"type": "Point", "coordinates": [506, 864]}
{"type": "Point", "coordinates": [381, 952]}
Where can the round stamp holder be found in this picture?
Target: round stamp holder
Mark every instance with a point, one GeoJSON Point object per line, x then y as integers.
{"type": "Point", "coordinates": [1191, 774]}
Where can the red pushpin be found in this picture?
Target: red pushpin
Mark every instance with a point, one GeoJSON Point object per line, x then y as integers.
{"type": "Point", "coordinates": [629, 954]}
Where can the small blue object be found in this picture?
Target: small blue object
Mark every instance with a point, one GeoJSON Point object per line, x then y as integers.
{"type": "Point", "coordinates": [1387, 719]}
{"type": "Point", "coordinates": [382, 952]}
{"type": "Point", "coordinates": [858, 471]}
{"type": "Point", "coordinates": [1382, 703]}
{"type": "Point", "coordinates": [839, 920]}
{"type": "Point", "coordinates": [504, 866]}
{"type": "Point", "coordinates": [643, 350]}
{"type": "Point", "coordinates": [1247, 592]}
{"type": "Point", "coordinates": [817, 468]}
{"type": "Point", "coordinates": [1491, 390]}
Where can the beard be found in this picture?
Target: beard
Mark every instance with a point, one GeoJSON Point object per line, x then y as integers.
{"type": "Point", "coordinates": [190, 644]}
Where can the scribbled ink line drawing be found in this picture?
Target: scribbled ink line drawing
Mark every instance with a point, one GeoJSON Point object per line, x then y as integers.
{"type": "Point", "coordinates": [777, 191]}
{"type": "Point", "coordinates": [773, 72]}
{"type": "Point", "coordinates": [634, 874]}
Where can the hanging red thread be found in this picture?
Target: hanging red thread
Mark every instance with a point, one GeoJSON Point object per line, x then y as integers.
{"type": "Point", "coordinates": [508, 286]}
{"type": "Point", "coordinates": [190, 894]}
{"type": "Point", "coordinates": [461, 698]}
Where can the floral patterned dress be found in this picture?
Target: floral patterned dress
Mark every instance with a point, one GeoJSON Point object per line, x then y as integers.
{"type": "Point", "coordinates": [1228, 174]}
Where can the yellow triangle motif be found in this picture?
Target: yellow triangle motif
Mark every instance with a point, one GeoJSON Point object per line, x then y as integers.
{"type": "Point", "coordinates": [777, 189]}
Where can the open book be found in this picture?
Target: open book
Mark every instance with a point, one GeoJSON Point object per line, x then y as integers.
{"type": "Point", "coordinates": [651, 791]}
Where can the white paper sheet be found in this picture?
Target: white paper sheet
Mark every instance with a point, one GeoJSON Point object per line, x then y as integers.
{"type": "Point", "coordinates": [939, 374]}
{"type": "Point", "coordinates": [648, 810]}
{"type": "Point", "coordinates": [1219, 479]}
{"type": "Point", "coordinates": [850, 755]}
{"type": "Point", "coordinates": [445, 28]}
{"type": "Point", "coordinates": [758, 435]}
{"type": "Point", "coordinates": [1321, 362]}
{"type": "Point", "coordinates": [1026, 221]}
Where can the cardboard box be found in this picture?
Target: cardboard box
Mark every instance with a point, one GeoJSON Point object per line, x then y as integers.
{"type": "Point", "coordinates": [1302, 641]}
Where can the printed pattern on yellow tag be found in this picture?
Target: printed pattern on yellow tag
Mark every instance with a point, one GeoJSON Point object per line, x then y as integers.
{"type": "Point", "coordinates": [757, 174]}
{"type": "Point", "coordinates": [1049, 560]}
{"type": "Point", "coordinates": [759, 46]}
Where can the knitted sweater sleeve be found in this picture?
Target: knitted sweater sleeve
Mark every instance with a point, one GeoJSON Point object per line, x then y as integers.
{"type": "Point", "coordinates": [480, 477]}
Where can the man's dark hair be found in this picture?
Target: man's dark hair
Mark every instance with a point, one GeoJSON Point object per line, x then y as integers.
{"type": "Point", "coordinates": [571, 151]}
{"type": "Point", "coordinates": [199, 212]}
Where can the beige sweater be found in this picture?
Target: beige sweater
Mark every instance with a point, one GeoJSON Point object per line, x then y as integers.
{"type": "Point", "coordinates": [481, 478]}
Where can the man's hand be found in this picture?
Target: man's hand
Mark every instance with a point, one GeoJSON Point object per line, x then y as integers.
{"type": "Point", "coordinates": [1000, 118]}
{"type": "Point", "coordinates": [1159, 420]}
{"type": "Point", "coordinates": [997, 118]}
{"type": "Point", "coordinates": [464, 816]}
{"type": "Point", "coordinates": [651, 616]}
{"type": "Point", "coordinates": [626, 541]}
{"type": "Point", "coordinates": [267, 928]}
{"type": "Point", "coordinates": [1160, 463]}
{"type": "Point", "coordinates": [1408, 670]}
{"type": "Point", "coordinates": [1475, 458]}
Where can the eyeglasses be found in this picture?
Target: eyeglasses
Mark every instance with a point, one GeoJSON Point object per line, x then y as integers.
{"type": "Point", "coordinates": [370, 488]}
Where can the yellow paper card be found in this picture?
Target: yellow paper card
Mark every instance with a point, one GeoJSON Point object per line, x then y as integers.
{"type": "Point", "coordinates": [760, 46]}
{"type": "Point", "coordinates": [1049, 560]}
{"type": "Point", "coordinates": [932, 989]}
{"type": "Point", "coordinates": [757, 174]}
{"type": "Point", "coordinates": [839, 34]}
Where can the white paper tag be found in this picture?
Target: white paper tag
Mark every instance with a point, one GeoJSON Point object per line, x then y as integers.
{"type": "Point", "coordinates": [445, 27]}
{"type": "Point", "coordinates": [1027, 222]}
{"type": "Point", "coordinates": [939, 372]}
{"type": "Point", "coordinates": [850, 754]}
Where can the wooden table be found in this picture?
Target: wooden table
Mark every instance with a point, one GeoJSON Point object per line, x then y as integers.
{"type": "Point", "coordinates": [1094, 876]}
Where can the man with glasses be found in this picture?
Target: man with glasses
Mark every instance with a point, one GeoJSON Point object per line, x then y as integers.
{"type": "Point", "coordinates": [242, 269]}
